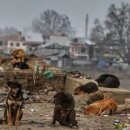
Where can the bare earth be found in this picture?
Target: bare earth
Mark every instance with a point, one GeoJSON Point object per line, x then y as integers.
{"type": "Point", "coordinates": [38, 116]}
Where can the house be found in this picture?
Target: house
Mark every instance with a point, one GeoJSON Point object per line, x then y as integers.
{"type": "Point", "coordinates": [61, 60]}
{"type": "Point", "coordinates": [81, 51]}
{"type": "Point", "coordinates": [55, 51]}
{"type": "Point", "coordinates": [32, 41]}
{"type": "Point", "coordinates": [62, 40]}
{"type": "Point", "coordinates": [3, 45]}
{"type": "Point", "coordinates": [12, 41]}
{"type": "Point", "coordinates": [17, 40]}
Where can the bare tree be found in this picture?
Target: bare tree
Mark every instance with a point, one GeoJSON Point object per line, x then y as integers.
{"type": "Point", "coordinates": [8, 31]}
{"type": "Point", "coordinates": [52, 23]}
{"type": "Point", "coordinates": [97, 35]}
{"type": "Point", "coordinates": [118, 24]}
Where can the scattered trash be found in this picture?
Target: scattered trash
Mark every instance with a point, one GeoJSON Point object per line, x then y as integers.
{"type": "Point", "coordinates": [25, 95]}
{"type": "Point", "coordinates": [127, 128]}
{"type": "Point", "coordinates": [32, 110]}
{"type": "Point", "coordinates": [40, 124]}
{"type": "Point", "coordinates": [48, 74]}
{"type": "Point", "coordinates": [105, 115]}
{"type": "Point", "coordinates": [121, 126]}
{"type": "Point", "coordinates": [77, 74]}
{"type": "Point", "coordinates": [46, 117]}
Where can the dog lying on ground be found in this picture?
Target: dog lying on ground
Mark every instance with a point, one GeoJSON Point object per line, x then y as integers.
{"type": "Point", "coordinates": [108, 80]}
{"type": "Point", "coordinates": [89, 87]}
{"type": "Point", "coordinates": [64, 111]}
{"type": "Point", "coordinates": [93, 97]}
{"type": "Point", "coordinates": [106, 106]}
{"type": "Point", "coordinates": [13, 104]}
{"type": "Point", "coordinates": [21, 65]}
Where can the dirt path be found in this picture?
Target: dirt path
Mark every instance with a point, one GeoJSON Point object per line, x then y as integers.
{"type": "Point", "coordinates": [38, 116]}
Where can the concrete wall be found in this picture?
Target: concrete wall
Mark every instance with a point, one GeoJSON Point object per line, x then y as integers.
{"type": "Point", "coordinates": [41, 83]}
{"type": "Point", "coordinates": [117, 94]}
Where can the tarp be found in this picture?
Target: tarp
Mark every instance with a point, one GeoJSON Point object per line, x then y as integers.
{"type": "Point", "coordinates": [48, 74]}
{"type": "Point", "coordinates": [102, 63]}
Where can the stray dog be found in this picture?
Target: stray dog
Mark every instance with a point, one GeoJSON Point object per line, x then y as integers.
{"type": "Point", "coordinates": [19, 54]}
{"type": "Point", "coordinates": [21, 65]}
{"type": "Point", "coordinates": [106, 106]}
{"type": "Point", "coordinates": [108, 80]}
{"type": "Point", "coordinates": [13, 104]}
{"type": "Point", "coordinates": [64, 111]}
{"type": "Point", "coordinates": [93, 97]}
{"type": "Point", "coordinates": [89, 87]}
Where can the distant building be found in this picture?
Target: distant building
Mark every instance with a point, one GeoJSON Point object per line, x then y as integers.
{"type": "Point", "coordinates": [3, 45]}
{"type": "Point", "coordinates": [17, 40]}
{"type": "Point", "coordinates": [33, 41]}
{"type": "Point", "coordinates": [56, 51]}
{"type": "Point", "coordinates": [81, 51]}
{"type": "Point", "coordinates": [62, 40]}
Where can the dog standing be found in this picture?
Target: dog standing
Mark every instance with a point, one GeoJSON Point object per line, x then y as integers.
{"type": "Point", "coordinates": [64, 111]}
{"type": "Point", "coordinates": [13, 104]}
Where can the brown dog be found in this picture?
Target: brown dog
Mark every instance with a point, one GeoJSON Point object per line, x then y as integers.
{"type": "Point", "coordinates": [106, 106]}
{"type": "Point", "coordinates": [88, 88]}
{"type": "Point", "coordinates": [13, 104]}
{"type": "Point", "coordinates": [19, 54]}
{"type": "Point", "coordinates": [64, 111]}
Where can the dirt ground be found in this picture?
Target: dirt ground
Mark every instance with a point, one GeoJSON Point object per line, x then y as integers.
{"type": "Point", "coordinates": [38, 116]}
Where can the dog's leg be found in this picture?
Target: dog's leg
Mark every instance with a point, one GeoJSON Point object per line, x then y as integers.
{"type": "Point", "coordinates": [55, 114]}
{"type": "Point", "coordinates": [102, 109]}
{"type": "Point", "coordinates": [9, 114]}
{"type": "Point", "coordinates": [18, 116]}
{"type": "Point", "coordinates": [64, 119]}
{"type": "Point", "coordinates": [72, 115]}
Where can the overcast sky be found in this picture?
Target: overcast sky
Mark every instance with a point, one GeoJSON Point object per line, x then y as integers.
{"type": "Point", "coordinates": [20, 13]}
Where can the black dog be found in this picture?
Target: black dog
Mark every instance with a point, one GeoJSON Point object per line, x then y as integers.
{"type": "Point", "coordinates": [64, 111]}
{"type": "Point", "coordinates": [21, 65]}
{"type": "Point", "coordinates": [13, 104]}
{"type": "Point", "coordinates": [108, 80]}
{"type": "Point", "coordinates": [86, 88]}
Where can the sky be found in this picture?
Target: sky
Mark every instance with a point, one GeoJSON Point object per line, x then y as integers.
{"type": "Point", "coordinates": [20, 13]}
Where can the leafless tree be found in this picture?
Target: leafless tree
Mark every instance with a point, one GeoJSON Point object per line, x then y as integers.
{"type": "Point", "coordinates": [118, 23]}
{"type": "Point", "coordinates": [8, 31]}
{"type": "Point", "coordinates": [52, 23]}
{"type": "Point", "coordinates": [97, 35]}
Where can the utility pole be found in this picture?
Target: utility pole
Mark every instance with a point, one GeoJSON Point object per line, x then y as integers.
{"type": "Point", "coordinates": [86, 26]}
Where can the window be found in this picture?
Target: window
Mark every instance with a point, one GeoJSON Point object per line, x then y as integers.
{"type": "Point", "coordinates": [17, 44]}
{"type": "Point", "coordinates": [11, 44]}
{"type": "Point", "coordinates": [24, 44]}
{"type": "Point", "coordinates": [72, 49]}
{"type": "Point", "coordinates": [83, 50]}
{"type": "Point", "coordinates": [30, 49]}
